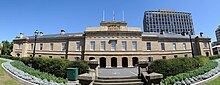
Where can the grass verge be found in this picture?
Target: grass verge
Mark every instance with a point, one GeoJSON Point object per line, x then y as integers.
{"type": "Point", "coordinates": [5, 79]}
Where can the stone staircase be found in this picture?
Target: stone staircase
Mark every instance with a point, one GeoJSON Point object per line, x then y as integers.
{"type": "Point", "coordinates": [118, 81]}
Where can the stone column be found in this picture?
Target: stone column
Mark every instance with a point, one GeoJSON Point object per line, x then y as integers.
{"type": "Point", "coordinates": [119, 62]}
{"type": "Point", "coordinates": [154, 78]}
{"type": "Point", "coordinates": [93, 68]}
{"type": "Point", "coordinates": [89, 78]}
{"type": "Point", "coordinates": [130, 62]}
{"type": "Point", "coordinates": [108, 62]}
{"type": "Point", "coordinates": [142, 66]}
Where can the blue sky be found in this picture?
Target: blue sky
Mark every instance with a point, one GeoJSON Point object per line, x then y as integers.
{"type": "Point", "coordinates": [50, 16]}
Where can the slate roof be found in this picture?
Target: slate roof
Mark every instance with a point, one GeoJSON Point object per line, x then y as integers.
{"type": "Point", "coordinates": [56, 35]}
{"type": "Point", "coordinates": [169, 35]}
{"type": "Point", "coordinates": [145, 34]}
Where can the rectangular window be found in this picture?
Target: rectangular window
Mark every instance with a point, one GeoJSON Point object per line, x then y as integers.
{"type": "Point", "coordinates": [51, 46]}
{"type": "Point", "coordinates": [134, 45]}
{"type": "Point", "coordinates": [186, 55]}
{"type": "Point", "coordinates": [32, 46]}
{"type": "Point", "coordinates": [148, 46]}
{"type": "Point", "coordinates": [205, 45]}
{"type": "Point", "coordinates": [164, 57]}
{"type": "Point", "coordinates": [162, 46]}
{"type": "Point", "coordinates": [174, 46]}
{"type": "Point", "coordinates": [77, 58]}
{"type": "Point", "coordinates": [41, 46]}
{"type": "Point", "coordinates": [92, 45]}
{"type": "Point", "coordinates": [102, 46]}
{"type": "Point", "coordinates": [77, 46]}
{"type": "Point", "coordinates": [175, 56]}
{"type": "Point", "coordinates": [19, 46]}
{"type": "Point", "coordinates": [113, 45]}
{"type": "Point", "coordinates": [63, 46]}
{"type": "Point", "coordinates": [124, 45]}
{"type": "Point", "coordinates": [50, 56]}
{"type": "Point", "coordinates": [184, 46]}
{"type": "Point", "coordinates": [150, 59]}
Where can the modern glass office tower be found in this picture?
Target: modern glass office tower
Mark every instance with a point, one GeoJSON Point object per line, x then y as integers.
{"type": "Point", "coordinates": [217, 33]}
{"type": "Point", "coordinates": [169, 21]}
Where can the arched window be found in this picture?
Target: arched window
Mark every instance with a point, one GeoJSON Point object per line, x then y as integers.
{"type": "Point", "coordinates": [124, 62]}
{"type": "Point", "coordinates": [91, 58]}
{"type": "Point", "coordinates": [102, 62]}
{"type": "Point", "coordinates": [114, 62]}
{"type": "Point", "coordinates": [135, 61]}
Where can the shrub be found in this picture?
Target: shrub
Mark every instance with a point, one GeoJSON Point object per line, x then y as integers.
{"type": "Point", "coordinates": [55, 66]}
{"type": "Point", "coordinates": [214, 57]}
{"type": "Point", "coordinates": [201, 60]}
{"type": "Point", "coordinates": [82, 65]}
{"type": "Point", "coordinates": [25, 60]}
{"type": "Point", "coordinates": [201, 70]}
{"type": "Point", "coordinates": [37, 73]}
{"type": "Point", "coordinates": [172, 67]}
{"type": "Point", "coordinates": [9, 57]}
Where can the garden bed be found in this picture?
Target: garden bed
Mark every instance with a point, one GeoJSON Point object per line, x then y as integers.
{"type": "Point", "coordinates": [29, 74]}
{"type": "Point", "coordinates": [202, 73]}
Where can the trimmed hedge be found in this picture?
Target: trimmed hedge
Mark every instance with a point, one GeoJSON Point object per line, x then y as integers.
{"type": "Point", "coordinates": [55, 66]}
{"type": "Point", "coordinates": [82, 65]}
{"type": "Point", "coordinates": [174, 66]}
{"type": "Point", "coordinates": [9, 57]}
{"type": "Point", "coordinates": [214, 57]}
{"type": "Point", "coordinates": [201, 70]}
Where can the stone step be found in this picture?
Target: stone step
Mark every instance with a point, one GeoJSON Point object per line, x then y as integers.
{"type": "Point", "coordinates": [117, 80]}
{"type": "Point", "coordinates": [122, 83]}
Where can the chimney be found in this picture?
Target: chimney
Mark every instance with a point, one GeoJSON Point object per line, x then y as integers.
{"type": "Point", "coordinates": [62, 32]}
{"type": "Point", "coordinates": [21, 35]}
{"type": "Point", "coordinates": [201, 34]}
{"type": "Point", "coordinates": [41, 34]}
{"type": "Point", "coordinates": [17, 37]}
{"type": "Point", "coordinates": [162, 32]}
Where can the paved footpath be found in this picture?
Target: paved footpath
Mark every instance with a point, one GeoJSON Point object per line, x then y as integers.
{"type": "Point", "coordinates": [117, 72]}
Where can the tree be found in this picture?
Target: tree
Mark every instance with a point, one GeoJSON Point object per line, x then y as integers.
{"type": "Point", "coordinates": [7, 48]}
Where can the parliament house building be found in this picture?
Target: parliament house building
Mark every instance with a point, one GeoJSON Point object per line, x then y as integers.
{"type": "Point", "coordinates": [112, 44]}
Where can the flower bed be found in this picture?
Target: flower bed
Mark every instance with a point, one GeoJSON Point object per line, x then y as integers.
{"type": "Point", "coordinates": [32, 75]}
{"type": "Point", "coordinates": [202, 73]}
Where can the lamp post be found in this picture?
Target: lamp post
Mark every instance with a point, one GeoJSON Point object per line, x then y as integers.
{"type": "Point", "coordinates": [35, 40]}
{"type": "Point", "coordinates": [189, 32]}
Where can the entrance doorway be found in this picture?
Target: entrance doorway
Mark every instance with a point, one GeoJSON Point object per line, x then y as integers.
{"type": "Point", "coordinates": [135, 61]}
{"type": "Point", "coordinates": [114, 62]}
{"type": "Point", "coordinates": [102, 62]}
{"type": "Point", "coordinates": [124, 62]}
{"type": "Point", "coordinates": [207, 53]}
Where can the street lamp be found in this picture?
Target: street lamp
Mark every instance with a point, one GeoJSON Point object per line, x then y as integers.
{"type": "Point", "coordinates": [189, 32]}
{"type": "Point", "coordinates": [35, 40]}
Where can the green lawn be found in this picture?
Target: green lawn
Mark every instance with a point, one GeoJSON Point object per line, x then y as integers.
{"type": "Point", "coordinates": [214, 82]}
{"type": "Point", "coordinates": [5, 79]}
